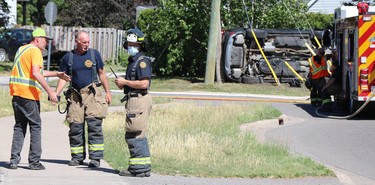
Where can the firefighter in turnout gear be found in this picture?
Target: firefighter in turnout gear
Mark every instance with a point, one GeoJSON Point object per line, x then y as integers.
{"type": "Point", "coordinates": [333, 86]}
{"type": "Point", "coordinates": [86, 102]}
{"type": "Point", "coordinates": [318, 73]}
{"type": "Point", "coordinates": [138, 104]}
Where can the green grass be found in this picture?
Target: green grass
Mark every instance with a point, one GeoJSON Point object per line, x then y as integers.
{"type": "Point", "coordinates": [5, 68]}
{"type": "Point", "coordinates": [179, 84]}
{"type": "Point", "coordinates": [205, 141]}
{"type": "Point", "coordinates": [197, 84]}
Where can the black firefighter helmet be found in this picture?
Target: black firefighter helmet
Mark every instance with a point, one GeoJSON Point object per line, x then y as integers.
{"type": "Point", "coordinates": [135, 35]}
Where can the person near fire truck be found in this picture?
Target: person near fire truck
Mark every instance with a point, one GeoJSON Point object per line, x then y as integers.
{"type": "Point", "coordinates": [138, 104]}
{"type": "Point", "coordinates": [333, 85]}
{"type": "Point", "coordinates": [318, 73]}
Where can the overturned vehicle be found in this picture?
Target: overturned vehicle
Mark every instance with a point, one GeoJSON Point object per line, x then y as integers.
{"type": "Point", "coordinates": [242, 60]}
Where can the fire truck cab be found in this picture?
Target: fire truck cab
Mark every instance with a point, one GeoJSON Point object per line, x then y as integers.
{"type": "Point", "coordinates": [354, 37]}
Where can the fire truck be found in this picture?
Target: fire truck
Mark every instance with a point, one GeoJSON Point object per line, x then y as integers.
{"type": "Point", "coordinates": [354, 37]}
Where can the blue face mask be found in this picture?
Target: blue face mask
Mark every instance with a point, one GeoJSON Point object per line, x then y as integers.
{"type": "Point", "coordinates": [133, 50]}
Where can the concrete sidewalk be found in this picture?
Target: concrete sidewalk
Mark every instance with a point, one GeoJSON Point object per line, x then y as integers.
{"type": "Point", "coordinates": [55, 157]}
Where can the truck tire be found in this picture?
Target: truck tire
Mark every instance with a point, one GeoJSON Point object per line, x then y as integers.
{"type": "Point", "coordinates": [3, 55]}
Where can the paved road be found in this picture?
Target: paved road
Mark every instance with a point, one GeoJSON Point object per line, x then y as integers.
{"type": "Point", "coordinates": [346, 146]}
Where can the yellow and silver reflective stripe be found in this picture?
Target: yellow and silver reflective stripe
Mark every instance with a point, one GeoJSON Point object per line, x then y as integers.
{"type": "Point", "coordinates": [316, 70]}
{"type": "Point", "coordinates": [24, 81]}
{"type": "Point", "coordinates": [144, 160]}
{"type": "Point", "coordinates": [19, 53]}
{"type": "Point", "coordinates": [326, 101]}
{"type": "Point", "coordinates": [17, 59]}
{"type": "Point", "coordinates": [96, 147]}
{"type": "Point", "coordinates": [76, 150]}
{"type": "Point", "coordinates": [21, 80]}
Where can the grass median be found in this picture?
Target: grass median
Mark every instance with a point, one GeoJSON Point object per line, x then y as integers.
{"type": "Point", "coordinates": [206, 141]}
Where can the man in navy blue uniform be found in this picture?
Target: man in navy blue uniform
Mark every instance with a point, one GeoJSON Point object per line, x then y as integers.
{"type": "Point", "coordinates": [138, 104]}
{"type": "Point", "coordinates": [86, 102]}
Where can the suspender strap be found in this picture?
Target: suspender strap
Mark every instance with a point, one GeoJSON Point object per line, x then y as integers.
{"type": "Point", "coordinates": [70, 64]}
{"type": "Point", "coordinates": [95, 73]}
{"type": "Point", "coordinates": [132, 74]}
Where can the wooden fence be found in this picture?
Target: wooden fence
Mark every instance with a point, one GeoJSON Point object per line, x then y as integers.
{"type": "Point", "coordinates": [108, 41]}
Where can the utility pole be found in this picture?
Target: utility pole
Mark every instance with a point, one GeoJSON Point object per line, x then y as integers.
{"type": "Point", "coordinates": [213, 41]}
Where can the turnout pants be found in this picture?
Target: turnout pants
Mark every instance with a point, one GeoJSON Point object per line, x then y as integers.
{"type": "Point", "coordinates": [95, 139]}
{"type": "Point", "coordinates": [91, 110]}
{"type": "Point", "coordinates": [26, 112]}
{"type": "Point", "coordinates": [326, 94]}
{"type": "Point", "coordinates": [316, 91]}
{"type": "Point", "coordinates": [138, 108]}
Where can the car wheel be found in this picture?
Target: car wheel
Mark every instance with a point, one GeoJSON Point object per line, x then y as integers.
{"type": "Point", "coordinates": [3, 55]}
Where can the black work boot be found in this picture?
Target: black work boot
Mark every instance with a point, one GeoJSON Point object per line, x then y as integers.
{"type": "Point", "coordinates": [13, 166]}
{"type": "Point", "coordinates": [37, 166]}
{"type": "Point", "coordinates": [75, 162]}
{"type": "Point", "coordinates": [94, 163]}
{"type": "Point", "coordinates": [141, 174]}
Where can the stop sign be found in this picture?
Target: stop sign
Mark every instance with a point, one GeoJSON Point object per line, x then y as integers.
{"type": "Point", "coordinates": [50, 12]}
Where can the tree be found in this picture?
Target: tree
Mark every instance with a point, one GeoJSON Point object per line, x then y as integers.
{"type": "Point", "coordinates": [270, 14]}
{"type": "Point", "coordinates": [4, 13]}
{"type": "Point", "coordinates": [319, 20]}
{"type": "Point", "coordinates": [118, 14]}
{"type": "Point", "coordinates": [35, 11]}
{"type": "Point", "coordinates": [177, 33]}
{"type": "Point", "coordinates": [178, 29]}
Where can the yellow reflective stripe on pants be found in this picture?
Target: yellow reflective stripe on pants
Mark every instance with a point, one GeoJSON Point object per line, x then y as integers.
{"type": "Point", "coordinates": [76, 150]}
{"type": "Point", "coordinates": [326, 101]}
{"type": "Point", "coordinates": [96, 147]}
{"type": "Point", "coordinates": [144, 160]}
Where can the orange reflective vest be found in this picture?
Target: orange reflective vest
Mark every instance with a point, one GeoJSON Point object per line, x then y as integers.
{"type": "Point", "coordinates": [21, 81]}
{"type": "Point", "coordinates": [318, 70]}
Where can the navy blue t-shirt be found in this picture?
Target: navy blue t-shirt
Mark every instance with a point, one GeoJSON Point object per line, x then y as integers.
{"type": "Point", "coordinates": [82, 68]}
{"type": "Point", "coordinates": [143, 70]}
